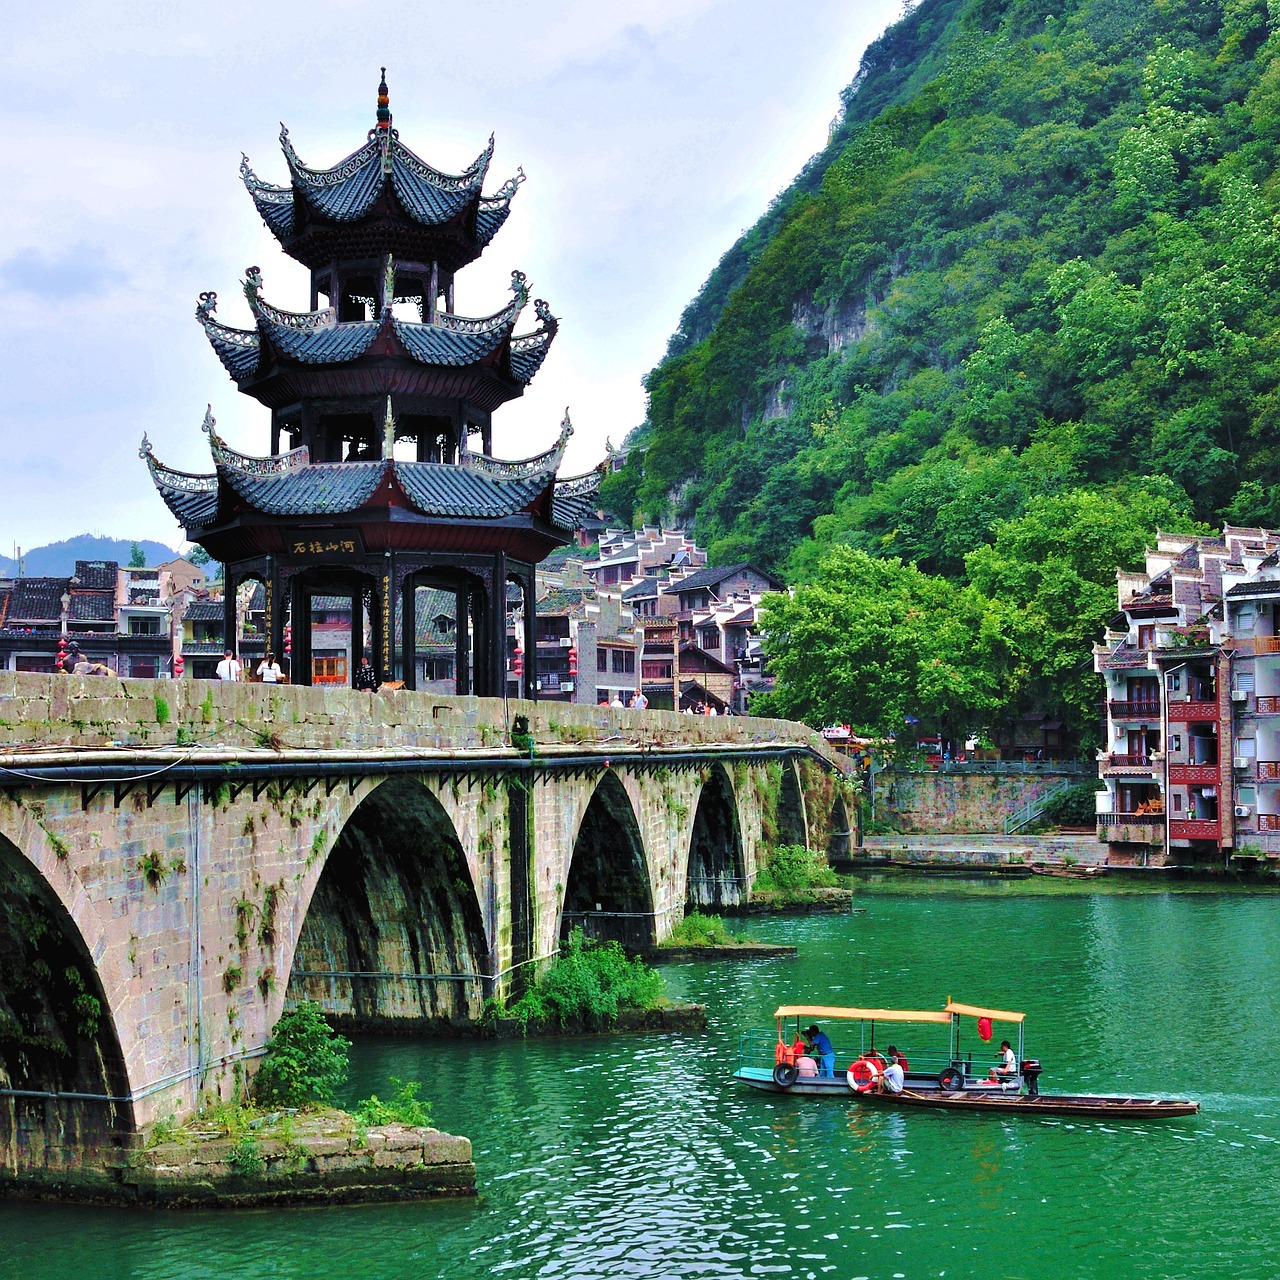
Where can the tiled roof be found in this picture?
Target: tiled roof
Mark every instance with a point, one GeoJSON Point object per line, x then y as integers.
{"type": "Point", "coordinates": [348, 191]}
{"type": "Point", "coordinates": [92, 606]}
{"type": "Point", "coordinates": [97, 575]}
{"type": "Point", "coordinates": [204, 611]}
{"type": "Point", "coordinates": [1269, 587]}
{"type": "Point", "coordinates": [328, 488]}
{"type": "Point", "coordinates": [441, 489]}
{"type": "Point", "coordinates": [646, 588]}
{"type": "Point", "coordinates": [37, 600]}
{"type": "Point", "coordinates": [712, 577]}
{"type": "Point", "coordinates": [334, 345]}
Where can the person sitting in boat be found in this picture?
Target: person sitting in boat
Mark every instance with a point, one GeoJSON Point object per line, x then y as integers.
{"type": "Point", "coordinates": [895, 1056]}
{"type": "Point", "coordinates": [822, 1049]}
{"type": "Point", "coordinates": [806, 1066]}
{"type": "Point", "coordinates": [893, 1078]}
{"type": "Point", "coordinates": [1008, 1062]}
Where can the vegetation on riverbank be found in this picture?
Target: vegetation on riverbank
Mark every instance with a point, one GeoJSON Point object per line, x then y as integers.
{"type": "Point", "coordinates": [585, 988]}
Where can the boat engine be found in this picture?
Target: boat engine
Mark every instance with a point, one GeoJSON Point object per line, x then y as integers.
{"type": "Point", "coordinates": [1031, 1069]}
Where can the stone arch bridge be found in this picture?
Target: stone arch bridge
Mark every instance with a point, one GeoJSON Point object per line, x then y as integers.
{"type": "Point", "coordinates": [177, 859]}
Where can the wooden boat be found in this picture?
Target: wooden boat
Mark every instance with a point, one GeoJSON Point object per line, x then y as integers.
{"type": "Point", "coordinates": [766, 1061]}
{"type": "Point", "coordinates": [1039, 1104]}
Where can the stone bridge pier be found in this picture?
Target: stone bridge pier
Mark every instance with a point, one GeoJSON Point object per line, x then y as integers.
{"type": "Point", "coordinates": [180, 859]}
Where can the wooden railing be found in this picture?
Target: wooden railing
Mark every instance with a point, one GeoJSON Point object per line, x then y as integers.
{"type": "Point", "coordinates": [1266, 644]}
{"type": "Point", "coordinates": [1268, 705]}
{"type": "Point", "coordinates": [1129, 762]}
{"type": "Point", "coordinates": [1130, 819]}
{"type": "Point", "coordinates": [1145, 710]}
{"type": "Point", "coordinates": [1269, 822]}
{"type": "Point", "coordinates": [1269, 770]}
{"type": "Point", "coordinates": [1193, 710]}
{"type": "Point", "coordinates": [1194, 829]}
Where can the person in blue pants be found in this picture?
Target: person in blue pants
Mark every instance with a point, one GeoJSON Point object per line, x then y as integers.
{"type": "Point", "coordinates": [822, 1049]}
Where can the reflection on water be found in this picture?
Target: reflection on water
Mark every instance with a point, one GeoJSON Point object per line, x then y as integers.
{"type": "Point", "coordinates": [633, 1157]}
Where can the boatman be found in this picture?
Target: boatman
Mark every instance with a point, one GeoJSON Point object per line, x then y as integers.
{"type": "Point", "coordinates": [1008, 1063]}
{"type": "Point", "coordinates": [822, 1049]}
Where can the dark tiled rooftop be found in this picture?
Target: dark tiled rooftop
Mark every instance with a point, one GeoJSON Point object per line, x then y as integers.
{"type": "Point", "coordinates": [712, 577]}
{"type": "Point", "coordinates": [92, 606]}
{"type": "Point", "coordinates": [37, 600]}
{"type": "Point", "coordinates": [97, 575]}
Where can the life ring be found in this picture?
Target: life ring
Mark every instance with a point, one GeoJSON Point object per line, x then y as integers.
{"type": "Point", "coordinates": [784, 1075]}
{"type": "Point", "coordinates": [951, 1080]}
{"type": "Point", "coordinates": [863, 1075]}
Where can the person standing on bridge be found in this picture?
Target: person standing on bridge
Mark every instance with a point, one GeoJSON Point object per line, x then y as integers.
{"type": "Point", "coordinates": [269, 670]}
{"type": "Point", "coordinates": [638, 701]}
{"type": "Point", "coordinates": [228, 668]}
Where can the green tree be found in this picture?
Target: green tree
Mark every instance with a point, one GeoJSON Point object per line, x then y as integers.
{"type": "Point", "coordinates": [871, 642]}
{"type": "Point", "coordinates": [1051, 574]}
{"type": "Point", "coordinates": [137, 557]}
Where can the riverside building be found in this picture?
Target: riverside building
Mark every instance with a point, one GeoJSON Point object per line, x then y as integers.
{"type": "Point", "coordinates": [380, 487]}
{"type": "Point", "coordinates": [1191, 762]}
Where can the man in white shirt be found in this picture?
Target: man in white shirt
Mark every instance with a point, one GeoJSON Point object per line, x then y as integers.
{"type": "Point", "coordinates": [229, 668]}
{"type": "Point", "coordinates": [638, 701]}
{"type": "Point", "coordinates": [1008, 1063]}
{"type": "Point", "coordinates": [893, 1079]}
{"type": "Point", "coordinates": [269, 670]}
{"type": "Point", "coordinates": [617, 701]}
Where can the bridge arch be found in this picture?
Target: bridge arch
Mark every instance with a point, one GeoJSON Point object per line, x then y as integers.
{"type": "Point", "coordinates": [793, 828]}
{"type": "Point", "coordinates": [57, 1031]}
{"type": "Point", "coordinates": [607, 892]}
{"type": "Point", "coordinates": [717, 868]}
{"type": "Point", "coordinates": [393, 936]}
{"type": "Point", "coordinates": [838, 843]}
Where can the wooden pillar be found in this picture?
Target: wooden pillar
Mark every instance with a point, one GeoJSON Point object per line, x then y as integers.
{"type": "Point", "coordinates": [409, 630]}
{"type": "Point", "coordinates": [433, 293]}
{"type": "Point", "coordinates": [230, 640]}
{"type": "Point", "coordinates": [357, 628]}
{"type": "Point", "coordinates": [530, 637]}
{"type": "Point", "coordinates": [461, 646]}
{"type": "Point", "coordinates": [384, 643]}
{"type": "Point", "coordinates": [300, 643]}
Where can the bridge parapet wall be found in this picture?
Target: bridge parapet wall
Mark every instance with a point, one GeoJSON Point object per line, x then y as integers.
{"type": "Point", "coordinates": [85, 712]}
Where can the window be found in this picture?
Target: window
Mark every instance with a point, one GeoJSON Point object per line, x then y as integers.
{"type": "Point", "coordinates": [1175, 742]}
{"type": "Point", "coordinates": [332, 670]}
{"type": "Point", "coordinates": [1147, 636]}
{"type": "Point", "coordinates": [143, 668]}
{"type": "Point", "coordinates": [1177, 803]}
{"type": "Point", "coordinates": [619, 661]}
{"type": "Point", "coordinates": [144, 626]}
{"type": "Point", "coordinates": [628, 661]}
{"type": "Point", "coordinates": [602, 659]}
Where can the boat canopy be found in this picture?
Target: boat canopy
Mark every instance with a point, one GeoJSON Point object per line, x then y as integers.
{"type": "Point", "coordinates": [996, 1015]}
{"type": "Point", "coordinates": [868, 1015]}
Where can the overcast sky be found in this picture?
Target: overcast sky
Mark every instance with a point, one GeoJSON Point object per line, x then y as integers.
{"type": "Point", "coordinates": [651, 133]}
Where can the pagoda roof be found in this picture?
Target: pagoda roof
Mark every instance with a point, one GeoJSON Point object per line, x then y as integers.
{"type": "Point", "coordinates": [385, 191]}
{"type": "Point", "coordinates": [318, 338]}
{"type": "Point", "coordinates": [290, 485]}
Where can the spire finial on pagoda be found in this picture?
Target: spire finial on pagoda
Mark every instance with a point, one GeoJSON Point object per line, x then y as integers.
{"type": "Point", "coordinates": [384, 101]}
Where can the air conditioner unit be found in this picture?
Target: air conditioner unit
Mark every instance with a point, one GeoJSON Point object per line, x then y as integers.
{"type": "Point", "coordinates": [1241, 762]}
{"type": "Point", "coordinates": [1243, 810]}
{"type": "Point", "coordinates": [1239, 695]}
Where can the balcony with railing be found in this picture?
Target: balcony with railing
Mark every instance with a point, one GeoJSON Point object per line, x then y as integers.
{"type": "Point", "coordinates": [1146, 709]}
{"type": "Point", "coordinates": [1193, 774]}
{"type": "Point", "coordinates": [1130, 828]}
{"type": "Point", "coordinates": [1268, 770]}
{"type": "Point", "coordinates": [1269, 822]}
{"type": "Point", "coordinates": [1189, 710]}
{"type": "Point", "coordinates": [1195, 829]}
{"type": "Point", "coordinates": [1143, 763]}
{"type": "Point", "coordinates": [1267, 705]}
{"type": "Point", "coordinates": [1266, 644]}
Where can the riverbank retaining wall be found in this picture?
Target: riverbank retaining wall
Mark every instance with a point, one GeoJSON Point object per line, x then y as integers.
{"type": "Point", "coordinates": [962, 803]}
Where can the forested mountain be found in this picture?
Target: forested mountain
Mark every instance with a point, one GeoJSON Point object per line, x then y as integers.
{"type": "Point", "coordinates": [1030, 286]}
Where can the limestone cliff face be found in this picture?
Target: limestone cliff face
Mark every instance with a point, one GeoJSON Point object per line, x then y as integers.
{"type": "Point", "coordinates": [395, 899]}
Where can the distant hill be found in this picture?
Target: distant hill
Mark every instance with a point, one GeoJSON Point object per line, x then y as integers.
{"type": "Point", "coordinates": [58, 559]}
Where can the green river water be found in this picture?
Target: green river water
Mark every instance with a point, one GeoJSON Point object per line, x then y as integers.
{"type": "Point", "coordinates": [634, 1156]}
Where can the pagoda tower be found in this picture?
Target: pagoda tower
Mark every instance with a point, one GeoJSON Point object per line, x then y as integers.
{"type": "Point", "coordinates": [381, 359]}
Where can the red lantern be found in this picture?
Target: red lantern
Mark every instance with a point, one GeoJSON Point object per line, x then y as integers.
{"type": "Point", "coordinates": [179, 665]}
{"type": "Point", "coordinates": [573, 664]}
{"type": "Point", "coordinates": [984, 1029]}
{"type": "Point", "coordinates": [288, 637]}
{"type": "Point", "coordinates": [517, 662]}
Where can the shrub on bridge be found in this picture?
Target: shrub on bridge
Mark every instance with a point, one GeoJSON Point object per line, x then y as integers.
{"type": "Point", "coordinates": [586, 985]}
{"type": "Point", "coordinates": [306, 1060]}
{"type": "Point", "coordinates": [792, 872]}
